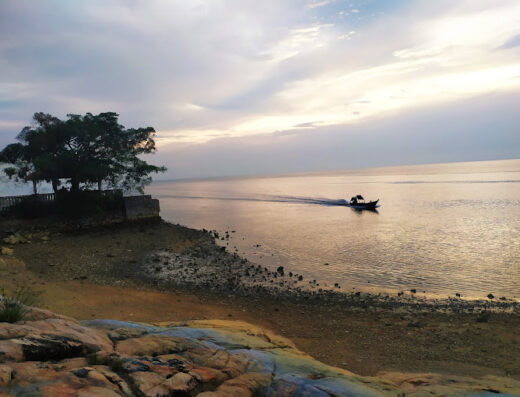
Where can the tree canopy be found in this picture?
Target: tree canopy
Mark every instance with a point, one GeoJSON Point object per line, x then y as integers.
{"type": "Point", "coordinates": [82, 150]}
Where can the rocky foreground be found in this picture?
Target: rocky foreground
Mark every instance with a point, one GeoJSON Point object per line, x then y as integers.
{"type": "Point", "coordinates": [52, 355]}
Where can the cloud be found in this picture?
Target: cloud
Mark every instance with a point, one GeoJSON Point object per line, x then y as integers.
{"type": "Point", "coordinates": [203, 70]}
{"type": "Point", "coordinates": [317, 3]}
{"type": "Point", "coordinates": [442, 133]}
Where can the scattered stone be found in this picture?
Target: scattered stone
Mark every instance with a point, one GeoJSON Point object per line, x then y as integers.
{"type": "Point", "coordinates": [491, 296]}
{"type": "Point", "coordinates": [413, 290]}
{"type": "Point", "coordinates": [280, 270]}
{"type": "Point", "coordinates": [14, 239]}
{"type": "Point", "coordinates": [6, 251]}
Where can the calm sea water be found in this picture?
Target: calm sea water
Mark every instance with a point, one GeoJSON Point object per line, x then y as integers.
{"type": "Point", "coordinates": [442, 228]}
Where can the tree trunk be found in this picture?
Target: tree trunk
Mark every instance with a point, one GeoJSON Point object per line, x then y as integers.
{"type": "Point", "coordinates": [74, 185]}
{"type": "Point", "coordinates": [35, 187]}
{"type": "Point", "coordinates": [55, 185]}
{"type": "Point", "coordinates": [99, 185]}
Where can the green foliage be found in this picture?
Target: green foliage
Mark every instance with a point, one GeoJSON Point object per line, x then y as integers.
{"type": "Point", "coordinates": [14, 306]}
{"type": "Point", "coordinates": [83, 151]}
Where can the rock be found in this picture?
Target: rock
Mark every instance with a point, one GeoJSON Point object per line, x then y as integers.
{"type": "Point", "coordinates": [413, 290]}
{"type": "Point", "coordinates": [241, 386]}
{"type": "Point", "coordinates": [181, 382]}
{"type": "Point", "coordinates": [6, 251]}
{"type": "Point", "coordinates": [491, 296]}
{"type": "Point", "coordinates": [6, 374]}
{"type": "Point", "coordinates": [280, 270]}
{"type": "Point", "coordinates": [204, 358]}
{"type": "Point", "coordinates": [50, 347]}
{"type": "Point", "coordinates": [151, 345]}
{"type": "Point", "coordinates": [14, 239]}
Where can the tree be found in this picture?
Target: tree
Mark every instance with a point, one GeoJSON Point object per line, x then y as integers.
{"type": "Point", "coordinates": [21, 168]}
{"type": "Point", "coordinates": [84, 151]}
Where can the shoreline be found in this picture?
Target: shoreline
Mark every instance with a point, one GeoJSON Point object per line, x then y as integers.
{"type": "Point", "coordinates": [164, 255]}
{"type": "Point", "coordinates": [100, 273]}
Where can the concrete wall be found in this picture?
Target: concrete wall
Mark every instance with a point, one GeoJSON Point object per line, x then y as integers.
{"type": "Point", "coordinates": [139, 207]}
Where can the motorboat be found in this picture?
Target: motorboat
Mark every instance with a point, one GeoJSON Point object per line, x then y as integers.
{"type": "Point", "coordinates": [359, 203]}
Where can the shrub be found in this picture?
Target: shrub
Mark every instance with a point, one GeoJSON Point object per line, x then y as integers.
{"type": "Point", "coordinates": [14, 306]}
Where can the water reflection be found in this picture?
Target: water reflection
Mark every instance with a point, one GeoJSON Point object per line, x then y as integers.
{"type": "Point", "coordinates": [457, 234]}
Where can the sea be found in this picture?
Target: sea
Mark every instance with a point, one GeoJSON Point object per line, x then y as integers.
{"type": "Point", "coordinates": [440, 229]}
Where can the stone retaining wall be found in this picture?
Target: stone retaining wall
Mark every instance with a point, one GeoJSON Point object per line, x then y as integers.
{"type": "Point", "coordinates": [139, 207]}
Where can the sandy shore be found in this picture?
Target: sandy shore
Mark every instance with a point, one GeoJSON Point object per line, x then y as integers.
{"type": "Point", "coordinates": [158, 271]}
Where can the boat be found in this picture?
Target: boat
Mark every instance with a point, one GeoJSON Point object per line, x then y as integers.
{"type": "Point", "coordinates": [359, 203]}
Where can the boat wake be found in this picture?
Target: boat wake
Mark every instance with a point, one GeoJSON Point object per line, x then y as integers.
{"type": "Point", "coordinates": [268, 199]}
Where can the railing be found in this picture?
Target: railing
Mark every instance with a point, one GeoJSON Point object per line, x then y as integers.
{"type": "Point", "coordinates": [10, 201]}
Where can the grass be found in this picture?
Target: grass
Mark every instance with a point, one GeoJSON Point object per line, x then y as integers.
{"type": "Point", "coordinates": [14, 306]}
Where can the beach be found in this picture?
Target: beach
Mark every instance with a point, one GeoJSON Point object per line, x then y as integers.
{"type": "Point", "coordinates": [158, 271]}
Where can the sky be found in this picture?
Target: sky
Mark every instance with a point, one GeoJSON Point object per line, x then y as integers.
{"type": "Point", "coordinates": [254, 87]}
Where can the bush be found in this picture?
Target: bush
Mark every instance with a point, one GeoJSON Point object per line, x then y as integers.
{"type": "Point", "coordinates": [14, 307]}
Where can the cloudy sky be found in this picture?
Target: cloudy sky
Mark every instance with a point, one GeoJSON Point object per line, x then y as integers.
{"type": "Point", "coordinates": [241, 87]}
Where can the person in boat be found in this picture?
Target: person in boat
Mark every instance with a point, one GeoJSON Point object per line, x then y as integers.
{"type": "Point", "coordinates": [354, 200]}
